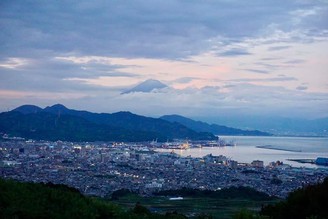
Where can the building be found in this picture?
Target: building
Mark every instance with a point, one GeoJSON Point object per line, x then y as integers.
{"type": "Point", "coordinates": [233, 164]}
{"type": "Point", "coordinates": [154, 185]}
{"type": "Point", "coordinates": [257, 163]}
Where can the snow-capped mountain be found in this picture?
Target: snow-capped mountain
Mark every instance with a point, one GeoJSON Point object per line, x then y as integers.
{"type": "Point", "coordinates": [146, 86]}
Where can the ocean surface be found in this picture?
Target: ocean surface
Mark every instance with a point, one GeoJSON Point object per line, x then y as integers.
{"type": "Point", "coordinates": [246, 151]}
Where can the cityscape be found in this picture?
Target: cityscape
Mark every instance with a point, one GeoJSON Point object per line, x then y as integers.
{"type": "Point", "coordinates": [98, 169]}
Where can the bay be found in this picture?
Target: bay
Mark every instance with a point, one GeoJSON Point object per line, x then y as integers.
{"type": "Point", "coordinates": [246, 149]}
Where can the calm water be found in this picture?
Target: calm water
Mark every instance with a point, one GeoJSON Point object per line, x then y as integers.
{"type": "Point", "coordinates": [246, 150]}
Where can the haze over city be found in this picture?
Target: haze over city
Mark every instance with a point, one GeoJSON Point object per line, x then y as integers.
{"type": "Point", "coordinates": [216, 58]}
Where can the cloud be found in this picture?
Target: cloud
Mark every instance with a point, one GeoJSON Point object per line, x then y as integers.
{"type": "Point", "coordinates": [271, 59]}
{"type": "Point", "coordinates": [257, 71]}
{"type": "Point", "coordinates": [184, 80]}
{"type": "Point", "coordinates": [295, 61]}
{"type": "Point", "coordinates": [13, 63]}
{"type": "Point", "coordinates": [240, 99]}
{"type": "Point", "coordinates": [275, 48]}
{"type": "Point", "coordinates": [272, 79]}
{"type": "Point", "coordinates": [48, 76]}
{"type": "Point", "coordinates": [142, 28]}
{"type": "Point", "coordinates": [270, 67]}
{"type": "Point", "coordinates": [302, 87]}
{"type": "Point", "coordinates": [234, 52]}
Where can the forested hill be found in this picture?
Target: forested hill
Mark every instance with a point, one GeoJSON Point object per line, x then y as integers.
{"type": "Point", "coordinates": [60, 123]}
{"type": "Point", "coordinates": [304, 203]}
{"type": "Point", "coordinates": [30, 200]}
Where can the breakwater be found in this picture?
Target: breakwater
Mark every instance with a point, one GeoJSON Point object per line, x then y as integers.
{"type": "Point", "coordinates": [272, 147]}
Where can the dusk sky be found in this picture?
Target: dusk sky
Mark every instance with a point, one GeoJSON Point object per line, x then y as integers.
{"type": "Point", "coordinates": [222, 57]}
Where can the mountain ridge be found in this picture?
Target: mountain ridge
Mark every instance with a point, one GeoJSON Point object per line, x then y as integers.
{"type": "Point", "coordinates": [27, 109]}
{"type": "Point", "coordinates": [60, 123]}
{"type": "Point", "coordinates": [130, 121]}
{"type": "Point", "coordinates": [282, 126]}
{"type": "Point", "coordinates": [212, 128]}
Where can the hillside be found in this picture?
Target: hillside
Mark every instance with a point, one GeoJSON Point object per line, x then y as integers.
{"type": "Point", "coordinates": [60, 123]}
{"type": "Point", "coordinates": [47, 126]}
{"type": "Point", "coordinates": [213, 128]}
{"type": "Point", "coordinates": [38, 200]}
{"type": "Point", "coordinates": [35, 200]}
{"type": "Point", "coordinates": [30, 200]}
{"type": "Point", "coordinates": [308, 202]}
{"type": "Point", "coordinates": [130, 121]}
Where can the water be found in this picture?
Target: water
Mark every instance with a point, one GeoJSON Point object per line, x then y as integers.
{"type": "Point", "coordinates": [246, 151]}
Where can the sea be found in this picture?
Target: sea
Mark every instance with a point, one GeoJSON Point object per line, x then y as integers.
{"type": "Point", "coordinates": [277, 149]}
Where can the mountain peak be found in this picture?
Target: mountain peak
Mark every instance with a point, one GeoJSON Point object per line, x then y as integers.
{"type": "Point", "coordinates": [28, 109]}
{"type": "Point", "coordinates": [123, 113]}
{"type": "Point", "coordinates": [146, 86]}
{"type": "Point", "coordinates": [56, 108]}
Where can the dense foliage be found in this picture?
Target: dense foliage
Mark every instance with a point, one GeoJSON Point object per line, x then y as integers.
{"type": "Point", "coordinates": [30, 200]}
{"type": "Point", "coordinates": [305, 203]}
{"type": "Point", "coordinates": [47, 126]}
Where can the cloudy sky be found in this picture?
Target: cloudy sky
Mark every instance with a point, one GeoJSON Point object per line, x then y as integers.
{"type": "Point", "coordinates": [218, 57]}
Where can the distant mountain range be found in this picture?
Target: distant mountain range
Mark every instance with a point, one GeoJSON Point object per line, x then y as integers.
{"type": "Point", "coordinates": [212, 128]}
{"type": "Point", "coordinates": [60, 123]}
{"type": "Point", "coordinates": [276, 125]}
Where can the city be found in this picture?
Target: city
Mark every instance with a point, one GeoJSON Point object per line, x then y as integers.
{"type": "Point", "coordinates": [98, 169]}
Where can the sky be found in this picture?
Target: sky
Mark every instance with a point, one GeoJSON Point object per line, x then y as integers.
{"type": "Point", "coordinates": [218, 57]}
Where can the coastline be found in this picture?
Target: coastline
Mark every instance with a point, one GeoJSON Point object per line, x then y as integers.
{"type": "Point", "coordinates": [246, 150]}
